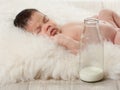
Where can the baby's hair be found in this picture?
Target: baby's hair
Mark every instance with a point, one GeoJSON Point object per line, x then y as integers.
{"type": "Point", "coordinates": [22, 18]}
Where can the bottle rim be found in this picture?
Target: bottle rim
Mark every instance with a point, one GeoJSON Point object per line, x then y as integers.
{"type": "Point", "coordinates": [91, 20]}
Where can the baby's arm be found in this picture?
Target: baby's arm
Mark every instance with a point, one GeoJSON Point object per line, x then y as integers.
{"type": "Point", "coordinates": [68, 43]}
{"type": "Point", "coordinates": [117, 38]}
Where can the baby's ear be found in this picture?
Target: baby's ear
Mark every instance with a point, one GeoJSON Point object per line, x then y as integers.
{"type": "Point", "coordinates": [117, 38]}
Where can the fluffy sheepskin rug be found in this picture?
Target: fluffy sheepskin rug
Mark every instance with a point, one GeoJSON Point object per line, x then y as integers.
{"type": "Point", "coordinates": [25, 57]}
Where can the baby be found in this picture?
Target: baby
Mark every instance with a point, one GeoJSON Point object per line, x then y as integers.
{"type": "Point", "coordinates": [69, 34]}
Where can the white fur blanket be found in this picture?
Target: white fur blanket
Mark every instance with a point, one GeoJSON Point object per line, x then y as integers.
{"type": "Point", "coordinates": [24, 56]}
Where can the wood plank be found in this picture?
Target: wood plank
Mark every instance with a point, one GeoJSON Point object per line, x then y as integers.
{"type": "Point", "coordinates": [18, 86]}
{"type": "Point", "coordinates": [73, 85]}
{"type": "Point", "coordinates": [118, 84]}
{"type": "Point", "coordinates": [103, 85]}
{"type": "Point", "coordinates": [63, 85]}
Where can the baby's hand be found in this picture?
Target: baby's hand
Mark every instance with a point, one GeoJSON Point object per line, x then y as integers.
{"type": "Point", "coordinates": [61, 39]}
{"type": "Point", "coordinates": [67, 42]}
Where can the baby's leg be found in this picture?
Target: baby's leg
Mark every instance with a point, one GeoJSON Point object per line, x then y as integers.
{"type": "Point", "coordinates": [116, 19]}
{"type": "Point", "coordinates": [110, 16]}
{"type": "Point", "coordinates": [117, 38]}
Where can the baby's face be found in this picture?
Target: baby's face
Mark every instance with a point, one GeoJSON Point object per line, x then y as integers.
{"type": "Point", "coordinates": [42, 25]}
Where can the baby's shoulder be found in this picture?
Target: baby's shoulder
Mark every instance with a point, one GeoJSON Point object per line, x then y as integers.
{"type": "Point", "coordinates": [72, 24]}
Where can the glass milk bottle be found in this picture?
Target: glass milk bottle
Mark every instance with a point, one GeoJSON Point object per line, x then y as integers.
{"type": "Point", "coordinates": [91, 52]}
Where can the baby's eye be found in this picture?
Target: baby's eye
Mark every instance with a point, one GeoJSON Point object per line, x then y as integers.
{"type": "Point", "coordinates": [46, 19]}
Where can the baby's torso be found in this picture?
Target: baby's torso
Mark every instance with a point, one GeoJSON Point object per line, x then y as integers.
{"type": "Point", "coordinates": [74, 30]}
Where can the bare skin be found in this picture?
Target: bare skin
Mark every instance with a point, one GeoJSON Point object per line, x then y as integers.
{"type": "Point", "coordinates": [69, 34]}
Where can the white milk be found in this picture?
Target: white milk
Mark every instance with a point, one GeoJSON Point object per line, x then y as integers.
{"type": "Point", "coordinates": [91, 74]}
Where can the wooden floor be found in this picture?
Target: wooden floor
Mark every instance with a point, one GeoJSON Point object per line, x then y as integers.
{"type": "Point", "coordinates": [64, 85]}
